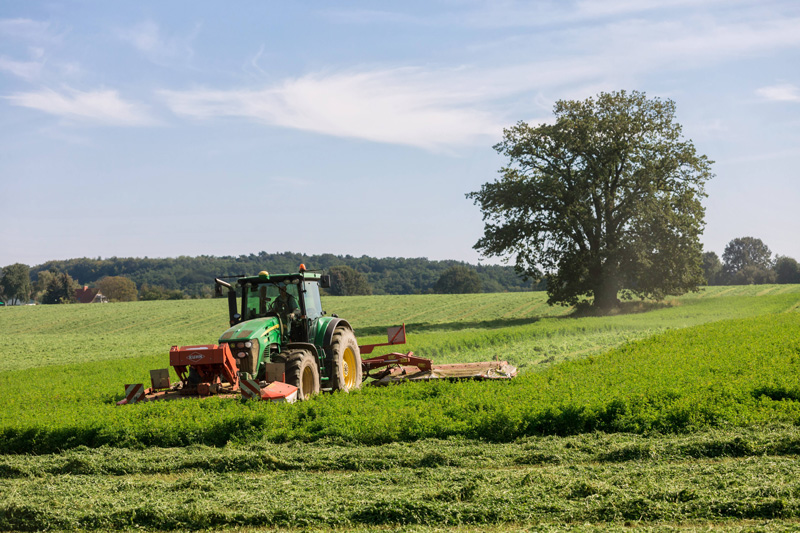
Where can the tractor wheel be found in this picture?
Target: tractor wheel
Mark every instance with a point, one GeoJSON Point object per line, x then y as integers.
{"type": "Point", "coordinates": [302, 372]}
{"type": "Point", "coordinates": [346, 373]}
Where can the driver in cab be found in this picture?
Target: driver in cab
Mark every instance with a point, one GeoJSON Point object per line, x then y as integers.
{"type": "Point", "coordinates": [286, 306]}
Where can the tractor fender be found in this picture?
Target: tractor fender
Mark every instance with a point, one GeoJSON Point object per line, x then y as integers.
{"type": "Point", "coordinates": [304, 346]}
{"type": "Point", "coordinates": [332, 325]}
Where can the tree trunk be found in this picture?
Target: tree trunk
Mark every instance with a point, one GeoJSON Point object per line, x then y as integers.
{"type": "Point", "coordinates": [605, 294]}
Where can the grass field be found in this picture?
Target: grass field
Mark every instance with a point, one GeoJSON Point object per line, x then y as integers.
{"type": "Point", "coordinates": [676, 415]}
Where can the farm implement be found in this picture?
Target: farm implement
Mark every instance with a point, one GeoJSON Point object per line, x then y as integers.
{"type": "Point", "coordinates": [282, 347]}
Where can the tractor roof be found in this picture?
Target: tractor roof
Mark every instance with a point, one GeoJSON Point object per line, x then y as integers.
{"type": "Point", "coordinates": [265, 277]}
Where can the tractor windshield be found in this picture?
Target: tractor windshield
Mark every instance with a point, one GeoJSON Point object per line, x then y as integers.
{"type": "Point", "coordinates": [267, 298]}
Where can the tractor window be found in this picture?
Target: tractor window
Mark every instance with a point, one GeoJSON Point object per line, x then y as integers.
{"type": "Point", "coordinates": [253, 298]}
{"type": "Point", "coordinates": [259, 298]}
{"type": "Point", "coordinates": [273, 295]}
{"type": "Point", "coordinates": [313, 305]}
{"type": "Point", "coordinates": [272, 292]}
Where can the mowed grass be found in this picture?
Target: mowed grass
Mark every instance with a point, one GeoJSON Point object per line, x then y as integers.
{"type": "Point", "coordinates": [736, 372]}
{"type": "Point", "coordinates": [734, 479]}
{"type": "Point", "coordinates": [684, 416]}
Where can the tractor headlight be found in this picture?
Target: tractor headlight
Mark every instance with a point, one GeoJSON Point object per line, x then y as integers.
{"type": "Point", "coordinates": [240, 345]}
{"type": "Point", "coordinates": [241, 355]}
{"type": "Point", "coordinates": [248, 344]}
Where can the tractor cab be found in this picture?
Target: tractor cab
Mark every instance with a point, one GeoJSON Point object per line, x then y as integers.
{"type": "Point", "coordinates": [293, 299]}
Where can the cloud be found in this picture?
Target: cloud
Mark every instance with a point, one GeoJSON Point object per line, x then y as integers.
{"type": "Point", "coordinates": [163, 50]}
{"type": "Point", "coordinates": [101, 107]}
{"type": "Point", "coordinates": [401, 106]}
{"type": "Point", "coordinates": [785, 92]}
{"type": "Point", "coordinates": [438, 108]}
{"type": "Point", "coordinates": [593, 8]}
{"type": "Point", "coordinates": [28, 30]}
{"type": "Point", "coordinates": [28, 38]}
{"type": "Point", "coordinates": [496, 14]}
{"type": "Point", "coordinates": [27, 70]}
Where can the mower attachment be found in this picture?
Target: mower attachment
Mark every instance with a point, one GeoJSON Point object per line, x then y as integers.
{"type": "Point", "coordinates": [213, 364]}
{"type": "Point", "coordinates": [396, 367]}
{"type": "Point", "coordinates": [400, 367]}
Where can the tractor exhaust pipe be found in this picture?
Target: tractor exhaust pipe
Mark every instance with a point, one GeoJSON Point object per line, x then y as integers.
{"type": "Point", "coordinates": [232, 311]}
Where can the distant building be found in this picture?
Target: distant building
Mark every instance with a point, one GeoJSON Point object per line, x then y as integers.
{"type": "Point", "coordinates": [89, 296]}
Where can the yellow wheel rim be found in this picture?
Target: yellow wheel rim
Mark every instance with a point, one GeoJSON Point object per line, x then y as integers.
{"type": "Point", "coordinates": [308, 381]}
{"type": "Point", "coordinates": [349, 370]}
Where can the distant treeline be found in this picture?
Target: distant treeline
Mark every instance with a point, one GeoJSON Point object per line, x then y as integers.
{"type": "Point", "coordinates": [194, 276]}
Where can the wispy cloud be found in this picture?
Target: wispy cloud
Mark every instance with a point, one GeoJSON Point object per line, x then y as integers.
{"type": "Point", "coordinates": [402, 106]}
{"type": "Point", "coordinates": [25, 43]}
{"type": "Point", "coordinates": [99, 107]}
{"type": "Point", "coordinates": [159, 48]}
{"type": "Point", "coordinates": [507, 14]}
{"type": "Point", "coordinates": [784, 92]}
{"type": "Point", "coordinates": [28, 30]}
{"type": "Point", "coordinates": [27, 70]}
{"type": "Point", "coordinates": [437, 108]}
{"type": "Point", "coordinates": [594, 8]}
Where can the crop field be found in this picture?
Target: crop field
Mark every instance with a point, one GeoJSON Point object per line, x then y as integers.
{"type": "Point", "coordinates": [678, 415]}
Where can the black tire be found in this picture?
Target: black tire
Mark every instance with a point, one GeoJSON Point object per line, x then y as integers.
{"type": "Point", "coordinates": [193, 378]}
{"type": "Point", "coordinates": [303, 373]}
{"type": "Point", "coordinates": [345, 360]}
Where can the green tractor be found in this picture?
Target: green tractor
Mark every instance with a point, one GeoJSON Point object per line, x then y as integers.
{"type": "Point", "coordinates": [279, 321]}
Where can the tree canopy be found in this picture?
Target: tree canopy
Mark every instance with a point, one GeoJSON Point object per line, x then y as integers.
{"type": "Point", "coordinates": [458, 279]}
{"type": "Point", "coordinates": [194, 276]}
{"type": "Point", "coordinates": [15, 283]}
{"type": "Point", "coordinates": [60, 289]}
{"type": "Point", "coordinates": [606, 198]}
{"type": "Point", "coordinates": [787, 270]}
{"type": "Point", "coordinates": [346, 281]}
{"type": "Point", "coordinates": [746, 253]}
{"type": "Point", "coordinates": [712, 268]}
{"type": "Point", "coordinates": [118, 289]}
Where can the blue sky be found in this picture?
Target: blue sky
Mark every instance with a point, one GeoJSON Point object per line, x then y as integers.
{"type": "Point", "coordinates": [161, 129]}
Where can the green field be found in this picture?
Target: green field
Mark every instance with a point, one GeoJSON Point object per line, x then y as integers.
{"type": "Point", "coordinates": [682, 414]}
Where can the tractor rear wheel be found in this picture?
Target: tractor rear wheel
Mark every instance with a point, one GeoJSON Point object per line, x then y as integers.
{"type": "Point", "coordinates": [346, 373]}
{"type": "Point", "coordinates": [302, 372]}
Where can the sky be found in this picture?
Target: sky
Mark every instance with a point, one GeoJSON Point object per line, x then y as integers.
{"type": "Point", "coordinates": [161, 129]}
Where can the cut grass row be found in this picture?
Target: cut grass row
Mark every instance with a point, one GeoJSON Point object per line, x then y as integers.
{"type": "Point", "coordinates": [722, 477]}
{"type": "Point", "coordinates": [730, 373]}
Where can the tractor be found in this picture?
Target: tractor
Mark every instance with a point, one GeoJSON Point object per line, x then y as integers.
{"type": "Point", "coordinates": [280, 321]}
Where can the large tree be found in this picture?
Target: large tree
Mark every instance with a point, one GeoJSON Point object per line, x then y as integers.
{"type": "Point", "coordinates": [748, 261]}
{"type": "Point", "coordinates": [15, 283]}
{"type": "Point", "coordinates": [605, 198]}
